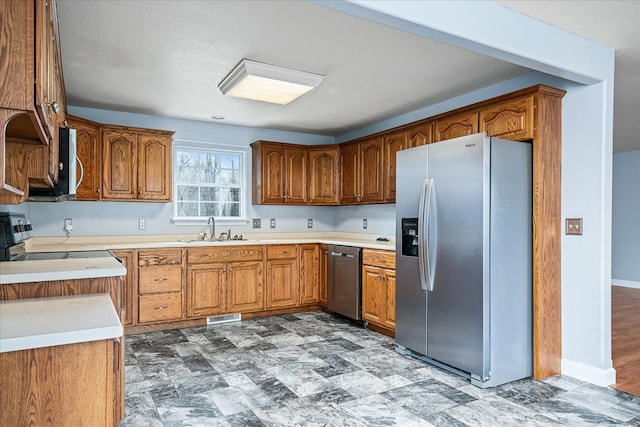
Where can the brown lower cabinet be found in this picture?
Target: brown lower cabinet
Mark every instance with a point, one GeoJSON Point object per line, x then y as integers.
{"type": "Point", "coordinates": [160, 285]}
{"type": "Point", "coordinates": [78, 384]}
{"type": "Point", "coordinates": [379, 288]}
{"type": "Point", "coordinates": [282, 276]}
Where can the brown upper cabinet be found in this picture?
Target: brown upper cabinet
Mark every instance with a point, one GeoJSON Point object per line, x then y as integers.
{"type": "Point", "coordinates": [420, 135]}
{"type": "Point", "coordinates": [136, 164]}
{"type": "Point", "coordinates": [510, 120]}
{"type": "Point", "coordinates": [88, 169]}
{"type": "Point", "coordinates": [32, 97]}
{"type": "Point", "coordinates": [455, 126]}
{"type": "Point", "coordinates": [393, 143]}
{"type": "Point", "coordinates": [324, 170]}
{"type": "Point", "coordinates": [361, 178]}
{"type": "Point", "coordinates": [279, 173]}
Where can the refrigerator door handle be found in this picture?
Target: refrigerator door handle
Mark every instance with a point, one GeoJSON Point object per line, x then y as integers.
{"type": "Point", "coordinates": [424, 211]}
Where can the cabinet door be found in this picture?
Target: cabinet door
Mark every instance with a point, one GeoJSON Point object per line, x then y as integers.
{"type": "Point", "coordinates": [130, 293]}
{"type": "Point", "coordinates": [88, 151]}
{"type": "Point", "coordinates": [273, 174]}
{"type": "Point", "coordinates": [309, 274]}
{"type": "Point", "coordinates": [296, 176]}
{"type": "Point", "coordinates": [392, 144]}
{"type": "Point", "coordinates": [390, 318]}
{"type": "Point", "coordinates": [206, 290]}
{"type": "Point", "coordinates": [154, 167]}
{"type": "Point", "coordinates": [371, 171]}
{"type": "Point", "coordinates": [323, 176]}
{"type": "Point", "coordinates": [324, 275]}
{"type": "Point", "coordinates": [420, 135]}
{"type": "Point", "coordinates": [373, 295]}
{"type": "Point", "coordinates": [244, 287]}
{"type": "Point", "coordinates": [350, 177]}
{"type": "Point", "coordinates": [282, 284]}
{"type": "Point", "coordinates": [119, 154]}
{"type": "Point", "coordinates": [456, 126]}
{"type": "Point", "coordinates": [511, 120]}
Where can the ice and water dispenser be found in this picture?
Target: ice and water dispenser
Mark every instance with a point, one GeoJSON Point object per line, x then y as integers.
{"type": "Point", "coordinates": [410, 236]}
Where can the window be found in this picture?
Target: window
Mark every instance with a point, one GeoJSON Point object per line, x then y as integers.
{"type": "Point", "coordinates": [208, 181]}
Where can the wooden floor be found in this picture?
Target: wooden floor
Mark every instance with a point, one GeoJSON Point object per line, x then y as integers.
{"type": "Point", "coordinates": [625, 338]}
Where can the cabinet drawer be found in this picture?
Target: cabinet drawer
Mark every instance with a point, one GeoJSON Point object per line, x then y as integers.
{"type": "Point", "coordinates": [281, 251]}
{"type": "Point", "coordinates": [226, 254]}
{"type": "Point", "coordinates": [159, 307]}
{"type": "Point", "coordinates": [164, 278]}
{"type": "Point", "coordinates": [160, 257]}
{"type": "Point", "coordinates": [377, 258]}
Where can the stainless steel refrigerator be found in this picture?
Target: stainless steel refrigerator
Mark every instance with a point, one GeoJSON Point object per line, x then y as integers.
{"type": "Point", "coordinates": [464, 257]}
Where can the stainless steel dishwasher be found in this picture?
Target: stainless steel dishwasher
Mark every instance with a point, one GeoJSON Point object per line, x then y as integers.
{"type": "Point", "coordinates": [345, 284]}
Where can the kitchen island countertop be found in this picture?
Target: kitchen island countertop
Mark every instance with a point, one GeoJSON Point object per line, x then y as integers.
{"type": "Point", "coordinates": [59, 269]}
{"type": "Point", "coordinates": [45, 322]}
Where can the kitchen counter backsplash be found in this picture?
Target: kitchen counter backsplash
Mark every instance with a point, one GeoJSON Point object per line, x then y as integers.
{"type": "Point", "coordinates": [87, 243]}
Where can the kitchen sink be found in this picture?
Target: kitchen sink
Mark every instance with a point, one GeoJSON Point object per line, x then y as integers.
{"type": "Point", "coordinates": [208, 242]}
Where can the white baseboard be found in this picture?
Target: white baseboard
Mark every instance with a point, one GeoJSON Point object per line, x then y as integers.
{"type": "Point", "coordinates": [625, 283]}
{"type": "Point", "coordinates": [591, 374]}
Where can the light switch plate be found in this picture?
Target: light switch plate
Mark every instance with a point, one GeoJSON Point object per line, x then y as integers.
{"type": "Point", "coordinates": [573, 226]}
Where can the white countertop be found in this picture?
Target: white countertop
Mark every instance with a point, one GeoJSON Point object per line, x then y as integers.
{"type": "Point", "coordinates": [86, 243]}
{"type": "Point", "coordinates": [45, 322]}
{"type": "Point", "coordinates": [59, 269]}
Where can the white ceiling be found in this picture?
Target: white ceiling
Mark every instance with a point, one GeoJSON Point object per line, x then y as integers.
{"type": "Point", "coordinates": [167, 59]}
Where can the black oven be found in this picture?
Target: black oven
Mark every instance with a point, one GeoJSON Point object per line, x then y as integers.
{"type": "Point", "coordinates": [14, 230]}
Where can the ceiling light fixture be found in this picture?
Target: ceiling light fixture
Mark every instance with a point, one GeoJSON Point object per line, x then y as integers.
{"type": "Point", "coordinates": [267, 83]}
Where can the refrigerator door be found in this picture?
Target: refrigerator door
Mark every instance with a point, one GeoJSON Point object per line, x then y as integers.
{"type": "Point", "coordinates": [455, 315]}
{"type": "Point", "coordinates": [411, 297]}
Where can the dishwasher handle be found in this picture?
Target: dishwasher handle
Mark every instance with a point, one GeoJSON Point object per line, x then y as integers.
{"type": "Point", "coordinates": [342, 254]}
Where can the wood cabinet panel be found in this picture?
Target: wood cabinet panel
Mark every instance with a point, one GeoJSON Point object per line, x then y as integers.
{"type": "Point", "coordinates": [154, 167]}
{"type": "Point", "coordinates": [309, 274]}
{"type": "Point", "coordinates": [455, 126]}
{"type": "Point", "coordinates": [510, 120]}
{"type": "Point", "coordinates": [136, 164]}
{"type": "Point", "coordinates": [420, 135]}
{"type": "Point", "coordinates": [61, 385]}
{"type": "Point", "coordinates": [130, 292]}
{"type": "Point", "coordinates": [371, 167]}
{"type": "Point", "coordinates": [163, 278]}
{"type": "Point", "coordinates": [226, 254]}
{"type": "Point", "coordinates": [89, 169]}
{"type": "Point", "coordinates": [280, 173]}
{"type": "Point", "coordinates": [159, 257]}
{"type": "Point", "coordinates": [245, 287]}
{"type": "Point", "coordinates": [120, 165]}
{"type": "Point", "coordinates": [393, 143]}
{"type": "Point", "coordinates": [282, 284]}
{"type": "Point", "coordinates": [324, 172]}
{"type": "Point", "coordinates": [350, 176]}
{"type": "Point", "coordinates": [324, 275]}
{"type": "Point", "coordinates": [379, 288]}
{"type": "Point", "coordinates": [282, 252]}
{"type": "Point", "coordinates": [154, 308]}
{"type": "Point", "coordinates": [206, 290]}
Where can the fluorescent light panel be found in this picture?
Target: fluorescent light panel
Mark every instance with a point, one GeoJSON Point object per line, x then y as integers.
{"type": "Point", "coordinates": [267, 83]}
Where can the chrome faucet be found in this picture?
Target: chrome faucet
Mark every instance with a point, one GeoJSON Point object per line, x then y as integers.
{"type": "Point", "coordinates": [212, 221]}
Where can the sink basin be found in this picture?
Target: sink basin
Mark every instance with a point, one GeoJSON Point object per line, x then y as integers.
{"type": "Point", "coordinates": [206, 242]}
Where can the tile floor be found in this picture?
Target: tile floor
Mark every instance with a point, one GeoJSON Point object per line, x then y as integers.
{"type": "Point", "coordinates": [314, 369]}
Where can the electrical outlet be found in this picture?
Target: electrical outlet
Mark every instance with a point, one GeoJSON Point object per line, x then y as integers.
{"type": "Point", "coordinates": [310, 223]}
{"type": "Point", "coordinates": [573, 226]}
{"type": "Point", "coordinates": [142, 224]}
{"type": "Point", "coordinates": [68, 225]}
{"type": "Point", "coordinates": [257, 223]}
{"type": "Point", "coordinates": [364, 223]}
{"type": "Point", "coordinates": [273, 222]}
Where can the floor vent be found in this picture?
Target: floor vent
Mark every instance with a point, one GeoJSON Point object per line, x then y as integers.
{"type": "Point", "coordinates": [214, 320]}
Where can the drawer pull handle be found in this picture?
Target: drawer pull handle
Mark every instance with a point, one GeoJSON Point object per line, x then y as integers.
{"type": "Point", "coordinates": [380, 259]}
{"type": "Point", "coordinates": [160, 279]}
{"type": "Point", "coordinates": [161, 307]}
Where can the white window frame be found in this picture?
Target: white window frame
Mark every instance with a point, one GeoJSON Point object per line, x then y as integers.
{"type": "Point", "coordinates": [217, 148]}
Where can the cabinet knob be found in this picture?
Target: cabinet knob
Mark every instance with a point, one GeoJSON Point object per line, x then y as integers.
{"type": "Point", "coordinates": [55, 107]}
{"type": "Point", "coordinates": [269, 266]}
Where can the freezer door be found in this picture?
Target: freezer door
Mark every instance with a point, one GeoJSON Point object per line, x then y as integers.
{"type": "Point", "coordinates": [411, 298]}
{"type": "Point", "coordinates": [455, 315]}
